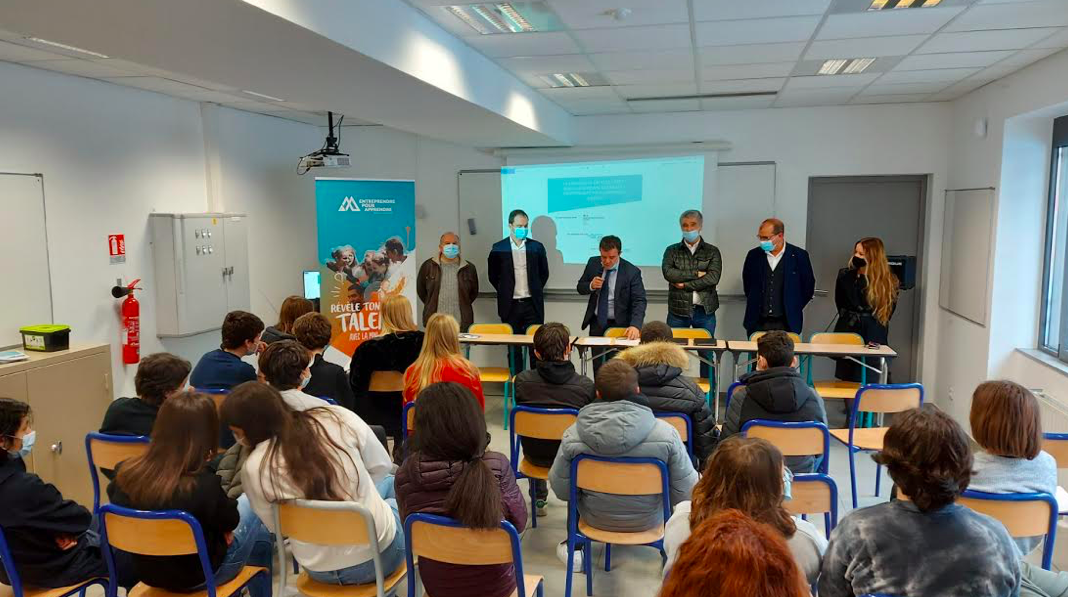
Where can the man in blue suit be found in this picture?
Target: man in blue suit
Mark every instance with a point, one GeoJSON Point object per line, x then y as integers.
{"type": "Point", "coordinates": [778, 282]}
{"type": "Point", "coordinates": [518, 270]}
{"type": "Point", "coordinates": [616, 291]}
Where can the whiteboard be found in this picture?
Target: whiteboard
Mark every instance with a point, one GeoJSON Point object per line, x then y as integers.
{"type": "Point", "coordinates": [744, 196]}
{"type": "Point", "coordinates": [968, 227]}
{"type": "Point", "coordinates": [23, 256]}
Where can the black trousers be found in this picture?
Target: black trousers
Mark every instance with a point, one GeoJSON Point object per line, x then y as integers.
{"type": "Point", "coordinates": [767, 324]}
{"type": "Point", "coordinates": [520, 317]}
{"type": "Point", "coordinates": [598, 354]}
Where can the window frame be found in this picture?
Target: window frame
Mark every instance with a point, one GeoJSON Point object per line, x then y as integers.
{"type": "Point", "coordinates": [1058, 146]}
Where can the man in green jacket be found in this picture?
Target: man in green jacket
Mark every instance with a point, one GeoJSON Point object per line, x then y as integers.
{"type": "Point", "coordinates": [692, 268]}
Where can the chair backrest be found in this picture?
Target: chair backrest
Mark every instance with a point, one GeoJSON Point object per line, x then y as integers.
{"type": "Point", "coordinates": [682, 423]}
{"type": "Point", "coordinates": [9, 566]}
{"type": "Point", "coordinates": [1057, 446]}
{"type": "Point", "coordinates": [1023, 514]}
{"type": "Point", "coordinates": [386, 381]}
{"type": "Point", "coordinates": [542, 423]}
{"type": "Point", "coordinates": [801, 438]}
{"type": "Point", "coordinates": [328, 400]}
{"type": "Point", "coordinates": [217, 394]}
{"type": "Point", "coordinates": [615, 332]}
{"type": "Point", "coordinates": [490, 328]}
{"type": "Point", "coordinates": [409, 419]}
{"type": "Point", "coordinates": [106, 451]}
{"type": "Point", "coordinates": [531, 329]}
{"type": "Point", "coordinates": [324, 522]}
{"type": "Point", "coordinates": [848, 338]}
{"type": "Point", "coordinates": [693, 333]}
{"type": "Point", "coordinates": [814, 493]}
{"type": "Point", "coordinates": [889, 398]}
{"type": "Point", "coordinates": [730, 392]}
{"type": "Point", "coordinates": [618, 476]}
{"type": "Point", "coordinates": [793, 336]}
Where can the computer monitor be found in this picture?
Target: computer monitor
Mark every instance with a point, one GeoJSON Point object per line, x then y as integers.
{"type": "Point", "coordinates": [311, 284]}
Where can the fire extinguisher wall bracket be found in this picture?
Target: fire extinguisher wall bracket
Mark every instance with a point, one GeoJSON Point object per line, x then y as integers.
{"type": "Point", "coordinates": [131, 325]}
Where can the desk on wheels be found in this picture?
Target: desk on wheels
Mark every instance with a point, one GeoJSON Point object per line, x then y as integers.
{"type": "Point", "coordinates": [852, 352]}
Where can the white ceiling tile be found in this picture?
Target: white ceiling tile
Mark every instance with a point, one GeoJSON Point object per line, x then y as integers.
{"type": "Point", "coordinates": [16, 53]}
{"type": "Point", "coordinates": [157, 84]}
{"type": "Point", "coordinates": [1057, 40]}
{"type": "Point", "coordinates": [1026, 57]}
{"type": "Point", "coordinates": [743, 85]}
{"type": "Point", "coordinates": [952, 60]}
{"type": "Point", "coordinates": [657, 37]}
{"type": "Point", "coordinates": [979, 41]}
{"type": "Point", "coordinates": [864, 48]}
{"type": "Point", "coordinates": [595, 14]}
{"type": "Point", "coordinates": [1012, 16]}
{"type": "Point", "coordinates": [505, 45]}
{"type": "Point", "coordinates": [814, 97]}
{"type": "Point", "coordinates": [720, 10]}
{"type": "Point", "coordinates": [737, 103]}
{"type": "Point", "coordinates": [756, 31]}
{"type": "Point", "coordinates": [905, 88]}
{"type": "Point", "coordinates": [746, 71]}
{"type": "Point", "coordinates": [641, 60]}
{"type": "Point", "coordinates": [83, 68]}
{"type": "Point", "coordinates": [589, 107]}
{"type": "Point", "coordinates": [891, 99]}
{"type": "Point", "coordinates": [886, 22]}
{"type": "Point", "coordinates": [830, 81]}
{"type": "Point", "coordinates": [450, 22]}
{"type": "Point", "coordinates": [959, 89]}
{"type": "Point", "coordinates": [648, 77]}
{"type": "Point", "coordinates": [666, 90]}
{"type": "Point", "coordinates": [567, 94]}
{"type": "Point", "coordinates": [751, 53]}
{"type": "Point", "coordinates": [688, 105]}
{"type": "Point", "coordinates": [927, 76]}
{"type": "Point", "coordinates": [543, 65]}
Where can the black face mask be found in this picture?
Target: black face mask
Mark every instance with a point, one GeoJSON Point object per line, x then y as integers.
{"type": "Point", "coordinates": [859, 262]}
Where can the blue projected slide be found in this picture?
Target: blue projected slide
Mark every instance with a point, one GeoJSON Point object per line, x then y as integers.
{"type": "Point", "coordinates": [637, 200]}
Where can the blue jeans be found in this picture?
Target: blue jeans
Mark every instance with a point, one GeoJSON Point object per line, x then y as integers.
{"type": "Point", "coordinates": [253, 545]}
{"type": "Point", "coordinates": [697, 319]}
{"type": "Point", "coordinates": [391, 557]}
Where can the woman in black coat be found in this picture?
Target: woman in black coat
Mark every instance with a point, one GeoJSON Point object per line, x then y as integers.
{"type": "Point", "coordinates": [865, 294]}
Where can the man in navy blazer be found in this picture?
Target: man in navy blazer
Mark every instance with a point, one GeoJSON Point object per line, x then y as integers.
{"type": "Point", "coordinates": [777, 280]}
{"type": "Point", "coordinates": [616, 291]}
{"type": "Point", "coordinates": [518, 270]}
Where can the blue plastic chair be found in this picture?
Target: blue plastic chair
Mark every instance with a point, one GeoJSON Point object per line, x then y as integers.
{"type": "Point", "coordinates": [537, 423]}
{"type": "Point", "coordinates": [1021, 513]}
{"type": "Point", "coordinates": [815, 493]}
{"type": "Point", "coordinates": [18, 590]}
{"type": "Point", "coordinates": [875, 398]}
{"type": "Point", "coordinates": [167, 533]}
{"type": "Point", "coordinates": [604, 475]}
{"type": "Point", "coordinates": [328, 400]}
{"type": "Point", "coordinates": [443, 539]}
{"type": "Point", "coordinates": [682, 423]}
{"type": "Point", "coordinates": [104, 450]}
{"type": "Point", "coordinates": [730, 392]}
{"type": "Point", "coordinates": [794, 438]}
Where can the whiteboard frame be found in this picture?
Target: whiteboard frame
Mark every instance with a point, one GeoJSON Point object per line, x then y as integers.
{"type": "Point", "coordinates": [48, 256]}
{"type": "Point", "coordinates": [948, 295]}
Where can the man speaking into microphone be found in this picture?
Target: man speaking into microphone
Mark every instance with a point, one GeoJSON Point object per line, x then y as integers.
{"type": "Point", "coordinates": [617, 294]}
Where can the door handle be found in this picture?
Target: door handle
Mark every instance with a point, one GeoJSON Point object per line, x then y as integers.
{"type": "Point", "coordinates": [57, 448]}
{"type": "Point", "coordinates": [821, 292]}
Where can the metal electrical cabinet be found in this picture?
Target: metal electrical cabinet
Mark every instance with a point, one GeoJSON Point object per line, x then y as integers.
{"type": "Point", "coordinates": [201, 267]}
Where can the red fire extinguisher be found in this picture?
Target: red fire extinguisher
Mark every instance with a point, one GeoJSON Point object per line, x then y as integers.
{"type": "Point", "coordinates": [131, 325]}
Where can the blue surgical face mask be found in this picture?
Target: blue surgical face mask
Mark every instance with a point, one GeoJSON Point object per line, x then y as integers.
{"type": "Point", "coordinates": [767, 245]}
{"type": "Point", "coordinates": [787, 482]}
{"type": "Point", "coordinates": [27, 445]}
{"type": "Point", "coordinates": [451, 251]}
{"type": "Point", "coordinates": [691, 235]}
{"type": "Point", "coordinates": [521, 233]}
{"type": "Point", "coordinates": [304, 382]}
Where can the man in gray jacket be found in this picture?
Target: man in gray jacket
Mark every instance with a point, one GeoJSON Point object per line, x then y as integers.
{"type": "Point", "coordinates": [620, 424]}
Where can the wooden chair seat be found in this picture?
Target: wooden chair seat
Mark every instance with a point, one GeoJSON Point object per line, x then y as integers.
{"type": "Point", "coordinates": [7, 591]}
{"type": "Point", "coordinates": [494, 374]}
{"type": "Point", "coordinates": [307, 586]}
{"type": "Point", "coordinates": [702, 383]}
{"type": "Point", "coordinates": [839, 390]}
{"type": "Point", "coordinates": [638, 538]}
{"type": "Point", "coordinates": [532, 470]}
{"type": "Point", "coordinates": [223, 590]}
{"type": "Point", "coordinates": [864, 439]}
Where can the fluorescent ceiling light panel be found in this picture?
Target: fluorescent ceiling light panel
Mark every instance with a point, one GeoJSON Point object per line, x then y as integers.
{"type": "Point", "coordinates": [263, 95]}
{"type": "Point", "coordinates": [892, 4]}
{"type": "Point", "coordinates": [507, 17]}
{"type": "Point", "coordinates": [575, 80]}
{"type": "Point", "coordinates": [845, 66]}
{"type": "Point", "coordinates": [56, 44]}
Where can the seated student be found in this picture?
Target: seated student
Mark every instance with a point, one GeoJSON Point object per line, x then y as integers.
{"type": "Point", "coordinates": [394, 350]}
{"type": "Point", "coordinates": [620, 424]}
{"type": "Point", "coordinates": [553, 383]}
{"type": "Point", "coordinates": [174, 475]}
{"type": "Point", "coordinates": [328, 380]}
{"type": "Point", "coordinates": [451, 472]}
{"type": "Point", "coordinates": [292, 308]}
{"type": "Point", "coordinates": [159, 376]}
{"type": "Point", "coordinates": [50, 538]}
{"type": "Point", "coordinates": [440, 360]}
{"type": "Point", "coordinates": [222, 368]}
{"type": "Point", "coordinates": [747, 474]}
{"type": "Point", "coordinates": [286, 366]}
{"type": "Point", "coordinates": [334, 457]}
{"type": "Point", "coordinates": [776, 392]}
{"type": "Point", "coordinates": [730, 555]}
{"type": "Point", "coordinates": [924, 543]}
{"type": "Point", "coordinates": [661, 366]}
{"type": "Point", "coordinates": [1006, 424]}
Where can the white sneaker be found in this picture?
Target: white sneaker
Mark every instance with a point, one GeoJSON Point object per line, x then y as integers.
{"type": "Point", "coordinates": [561, 554]}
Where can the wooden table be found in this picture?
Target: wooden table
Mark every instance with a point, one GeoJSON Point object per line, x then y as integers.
{"type": "Point", "coordinates": [497, 339]}
{"type": "Point", "coordinates": [848, 351]}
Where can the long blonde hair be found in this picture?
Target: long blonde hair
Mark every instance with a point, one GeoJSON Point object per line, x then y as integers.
{"type": "Point", "coordinates": [882, 283]}
{"type": "Point", "coordinates": [397, 315]}
{"type": "Point", "coordinates": [441, 348]}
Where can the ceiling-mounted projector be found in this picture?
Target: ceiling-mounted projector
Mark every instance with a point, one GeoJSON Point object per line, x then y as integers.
{"type": "Point", "coordinates": [329, 156]}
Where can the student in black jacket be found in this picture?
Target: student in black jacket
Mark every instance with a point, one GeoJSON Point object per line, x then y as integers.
{"type": "Point", "coordinates": [159, 376]}
{"type": "Point", "coordinates": [553, 383]}
{"type": "Point", "coordinates": [776, 392]}
{"type": "Point", "coordinates": [328, 380]}
{"type": "Point", "coordinates": [174, 475]}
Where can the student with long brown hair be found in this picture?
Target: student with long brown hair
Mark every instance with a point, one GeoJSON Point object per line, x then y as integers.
{"type": "Point", "coordinates": [325, 453]}
{"type": "Point", "coordinates": [452, 473]}
{"type": "Point", "coordinates": [865, 294]}
{"type": "Point", "coordinates": [440, 360]}
{"type": "Point", "coordinates": [174, 475]}
{"type": "Point", "coordinates": [292, 308]}
{"type": "Point", "coordinates": [729, 555]}
{"type": "Point", "coordinates": [746, 474]}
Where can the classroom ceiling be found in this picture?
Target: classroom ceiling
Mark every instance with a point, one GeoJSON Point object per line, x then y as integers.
{"type": "Point", "coordinates": [679, 55]}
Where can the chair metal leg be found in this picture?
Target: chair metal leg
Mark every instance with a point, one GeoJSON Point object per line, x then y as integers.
{"type": "Point", "coordinates": [587, 562]}
{"type": "Point", "coordinates": [570, 564]}
{"type": "Point", "coordinates": [607, 557]}
{"type": "Point", "coordinates": [853, 474]}
{"type": "Point", "coordinates": [827, 525]}
{"type": "Point", "coordinates": [541, 589]}
{"type": "Point", "coordinates": [878, 474]}
{"type": "Point", "coordinates": [533, 504]}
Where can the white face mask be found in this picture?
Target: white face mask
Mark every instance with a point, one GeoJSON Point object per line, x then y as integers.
{"type": "Point", "coordinates": [304, 380]}
{"type": "Point", "coordinates": [27, 445]}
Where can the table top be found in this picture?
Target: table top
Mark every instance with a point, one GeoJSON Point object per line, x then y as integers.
{"type": "Point", "coordinates": [601, 342]}
{"type": "Point", "coordinates": [843, 350]}
{"type": "Point", "coordinates": [497, 339]}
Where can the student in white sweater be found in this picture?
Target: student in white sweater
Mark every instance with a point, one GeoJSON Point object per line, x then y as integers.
{"type": "Point", "coordinates": [339, 460]}
{"type": "Point", "coordinates": [285, 365]}
{"type": "Point", "coordinates": [746, 474]}
{"type": "Point", "coordinates": [1007, 426]}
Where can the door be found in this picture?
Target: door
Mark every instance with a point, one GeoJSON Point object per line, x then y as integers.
{"type": "Point", "coordinates": [841, 211]}
{"type": "Point", "coordinates": [13, 385]}
{"type": "Point", "coordinates": [235, 235]}
{"type": "Point", "coordinates": [203, 255]}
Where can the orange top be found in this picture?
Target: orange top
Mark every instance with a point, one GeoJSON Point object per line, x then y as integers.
{"type": "Point", "coordinates": [449, 372]}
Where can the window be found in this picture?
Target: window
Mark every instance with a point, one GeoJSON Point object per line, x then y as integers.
{"type": "Point", "coordinates": [1053, 333]}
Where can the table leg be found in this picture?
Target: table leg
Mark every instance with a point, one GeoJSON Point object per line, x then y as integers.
{"type": "Point", "coordinates": [713, 383]}
{"type": "Point", "coordinates": [582, 358]}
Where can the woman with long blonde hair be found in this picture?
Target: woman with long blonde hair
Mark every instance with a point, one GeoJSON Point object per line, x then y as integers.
{"type": "Point", "coordinates": [865, 294]}
{"type": "Point", "coordinates": [397, 315]}
{"type": "Point", "coordinates": [440, 360]}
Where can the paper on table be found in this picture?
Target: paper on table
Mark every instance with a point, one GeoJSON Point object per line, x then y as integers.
{"type": "Point", "coordinates": [12, 356]}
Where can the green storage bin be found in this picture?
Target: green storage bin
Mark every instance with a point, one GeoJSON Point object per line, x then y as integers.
{"type": "Point", "coordinates": [45, 338]}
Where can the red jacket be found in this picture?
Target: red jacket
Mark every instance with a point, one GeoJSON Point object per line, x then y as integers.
{"type": "Point", "coordinates": [449, 372]}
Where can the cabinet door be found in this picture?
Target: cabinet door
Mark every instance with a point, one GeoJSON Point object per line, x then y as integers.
{"type": "Point", "coordinates": [203, 293]}
{"type": "Point", "coordinates": [237, 287]}
{"type": "Point", "coordinates": [68, 400]}
{"type": "Point", "coordinates": [14, 386]}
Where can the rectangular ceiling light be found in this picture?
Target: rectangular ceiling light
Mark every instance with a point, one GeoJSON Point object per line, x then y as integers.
{"type": "Point", "coordinates": [575, 80]}
{"type": "Point", "coordinates": [891, 4]}
{"type": "Point", "coordinates": [507, 17]}
{"type": "Point", "coordinates": [263, 96]}
{"type": "Point", "coordinates": [845, 66]}
{"type": "Point", "coordinates": [56, 44]}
